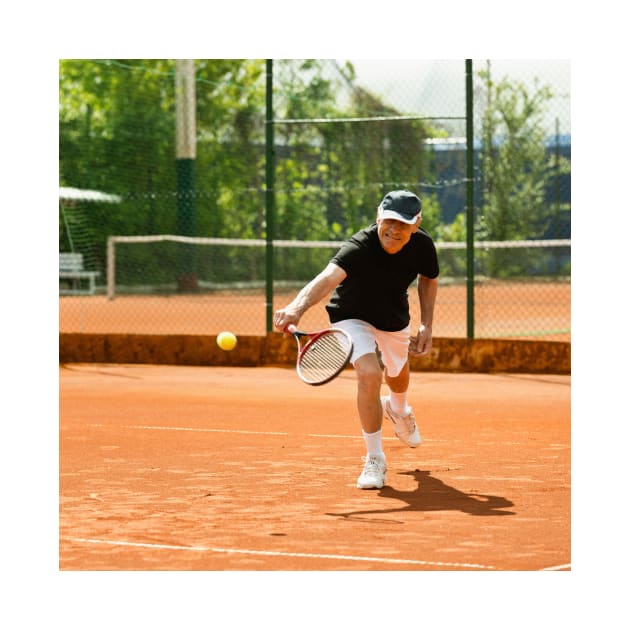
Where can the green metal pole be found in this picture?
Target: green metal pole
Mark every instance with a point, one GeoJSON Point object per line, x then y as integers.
{"type": "Point", "coordinates": [269, 195]}
{"type": "Point", "coordinates": [470, 205]}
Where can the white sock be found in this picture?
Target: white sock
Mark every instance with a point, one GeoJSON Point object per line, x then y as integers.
{"type": "Point", "coordinates": [374, 443]}
{"type": "Point", "coordinates": [398, 403]}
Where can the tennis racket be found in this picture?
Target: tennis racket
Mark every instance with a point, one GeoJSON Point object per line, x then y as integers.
{"type": "Point", "coordinates": [324, 356]}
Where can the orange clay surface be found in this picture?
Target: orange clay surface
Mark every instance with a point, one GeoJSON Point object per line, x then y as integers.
{"type": "Point", "coordinates": [247, 469]}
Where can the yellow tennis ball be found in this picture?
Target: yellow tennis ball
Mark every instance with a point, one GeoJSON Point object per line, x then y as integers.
{"type": "Point", "coordinates": [226, 340]}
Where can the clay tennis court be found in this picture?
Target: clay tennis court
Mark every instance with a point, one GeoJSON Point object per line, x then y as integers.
{"type": "Point", "coordinates": [248, 469]}
{"type": "Point", "coordinates": [516, 310]}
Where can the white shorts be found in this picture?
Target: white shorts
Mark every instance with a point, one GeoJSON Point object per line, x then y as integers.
{"type": "Point", "coordinates": [393, 346]}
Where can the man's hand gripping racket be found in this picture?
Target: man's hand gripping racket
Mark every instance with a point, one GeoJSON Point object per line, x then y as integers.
{"type": "Point", "coordinates": [324, 356]}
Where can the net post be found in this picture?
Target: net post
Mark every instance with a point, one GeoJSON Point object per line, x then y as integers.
{"type": "Point", "coordinates": [470, 205]}
{"type": "Point", "coordinates": [269, 195]}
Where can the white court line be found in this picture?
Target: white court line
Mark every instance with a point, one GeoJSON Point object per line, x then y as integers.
{"type": "Point", "coordinates": [284, 554]}
{"type": "Point", "coordinates": [203, 430]}
{"type": "Point", "coordinates": [559, 567]}
{"type": "Point", "coordinates": [347, 437]}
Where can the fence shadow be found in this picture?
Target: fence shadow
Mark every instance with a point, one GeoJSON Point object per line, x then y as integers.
{"type": "Point", "coordinates": [432, 494]}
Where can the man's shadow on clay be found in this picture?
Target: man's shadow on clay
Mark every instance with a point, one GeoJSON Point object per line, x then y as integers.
{"type": "Point", "coordinates": [433, 494]}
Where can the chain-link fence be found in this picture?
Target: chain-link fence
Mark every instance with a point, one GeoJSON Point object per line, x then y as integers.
{"type": "Point", "coordinates": [202, 199]}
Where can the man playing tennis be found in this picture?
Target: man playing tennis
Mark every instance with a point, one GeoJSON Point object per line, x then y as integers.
{"type": "Point", "coordinates": [369, 277]}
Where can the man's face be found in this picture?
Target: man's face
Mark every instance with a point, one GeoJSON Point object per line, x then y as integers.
{"type": "Point", "coordinates": [394, 235]}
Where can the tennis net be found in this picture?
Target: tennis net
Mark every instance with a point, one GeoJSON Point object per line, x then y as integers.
{"type": "Point", "coordinates": [162, 264]}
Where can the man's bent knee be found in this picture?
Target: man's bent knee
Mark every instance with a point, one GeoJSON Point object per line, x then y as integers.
{"type": "Point", "coordinates": [369, 371]}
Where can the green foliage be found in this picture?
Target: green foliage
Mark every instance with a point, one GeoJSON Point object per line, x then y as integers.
{"type": "Point", "coordinates": [514, 161]}
{"type": "Point", "coordinates": [516, 170]}
{"type": "Point", "coordinates": [117, 133]}
{"type": "Point", "coordinates": [452, 262]}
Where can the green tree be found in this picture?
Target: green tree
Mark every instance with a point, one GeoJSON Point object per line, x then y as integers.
{"type": "Point", "coordinates": [117, 134]}
{"type": "Point", "coordinates": [516, 169]}
{"type": "Point", "coordinates": [332, 174]}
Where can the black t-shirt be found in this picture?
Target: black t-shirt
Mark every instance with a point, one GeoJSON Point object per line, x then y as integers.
{"type": "Point", "coordinates": [375, 289]}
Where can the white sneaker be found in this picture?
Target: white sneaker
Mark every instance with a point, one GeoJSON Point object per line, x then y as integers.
{"type": "Point", "coordinates": [374, 473]}
{"type": "Point", "coordinates": [405, 427]}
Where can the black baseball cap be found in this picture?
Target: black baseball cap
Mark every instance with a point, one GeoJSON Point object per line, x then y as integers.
{"type": "Point", "coordinates": [400, 205]}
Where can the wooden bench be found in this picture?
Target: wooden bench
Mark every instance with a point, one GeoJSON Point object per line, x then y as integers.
{"type": "Point", "coordinates": [71, 269]}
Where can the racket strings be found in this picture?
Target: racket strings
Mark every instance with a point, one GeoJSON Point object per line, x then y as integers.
{"type": "Point", "coordinates": [325, 357]}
